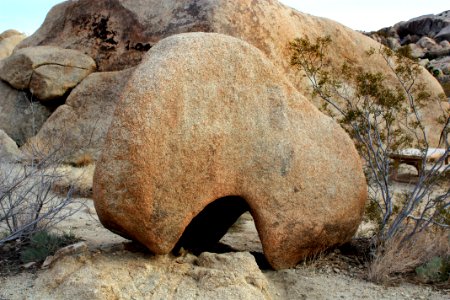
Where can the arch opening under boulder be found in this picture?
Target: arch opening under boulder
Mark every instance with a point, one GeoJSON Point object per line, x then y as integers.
{"type": "Point", "coordinates": [207, 228]}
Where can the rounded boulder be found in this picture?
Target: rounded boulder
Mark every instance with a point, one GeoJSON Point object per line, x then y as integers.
{"type": "Point", "coordinates": [207, 124]}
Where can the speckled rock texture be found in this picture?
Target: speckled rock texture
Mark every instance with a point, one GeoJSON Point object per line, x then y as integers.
{"type": "Point", "coordinates": [47, 71]}
{"type": "Point", "coordinates": [206, 116]}
{"type": "Point", "coordinates": [117, 33]}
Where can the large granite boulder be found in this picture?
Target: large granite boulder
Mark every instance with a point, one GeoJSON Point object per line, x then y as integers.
{"type": "Point", "coordinates": [47, 71]}
{"type": "Point", "coordinates": [20, 116]}
{"type": "Point", "coordinates": [117, 33]}
{"type": "Point", "coordinates": [207, 122]}
{"type": "Point", "coordinates": [78, 128]}
{"type": "Point", "coordinates": [8, 41]}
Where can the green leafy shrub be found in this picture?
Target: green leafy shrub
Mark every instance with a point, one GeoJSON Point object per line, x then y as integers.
{"type": "Point", "coordinates": [43, 244]}
{"type": "Point", "coordinates": [435, 270]}
{"type": "Point", "coordinates": [436, 72]}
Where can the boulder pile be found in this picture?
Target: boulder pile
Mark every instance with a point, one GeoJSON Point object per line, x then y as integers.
{"type": "Point", "coordinates": [428, 37]}
{"type": "Point", "coordinates": [47, 72]}
{"type": "Point", "coordinates": [118, 33]}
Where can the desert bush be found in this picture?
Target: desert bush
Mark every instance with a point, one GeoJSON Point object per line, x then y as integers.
{"type": "Point", "coordinates": [27, 204]}
{"type": "Point", "coordinates": [383, 119]}
{"type": "Point", "coordinates": [83, 160]}
{"type": "Point", "coordinates": [434, 271]}
{"type": "Point", "coordinates": [400, 255]}
{"type": "Point", "coordinates": [43, 243]}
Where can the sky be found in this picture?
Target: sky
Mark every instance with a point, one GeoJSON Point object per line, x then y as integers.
{"type": "Point", "coordinates": [27, 15]}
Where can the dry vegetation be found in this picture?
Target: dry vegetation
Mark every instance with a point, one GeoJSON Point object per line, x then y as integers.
{"type": "Point", "coordinates": [403, 256]}
{"type": "Point", "coordinates": [413, 226]}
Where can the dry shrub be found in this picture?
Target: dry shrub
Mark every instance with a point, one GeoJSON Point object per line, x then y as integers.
{"type": "Point", "coordinates": [76, 179]}
{"type": "Point", "coordinates": [83, 160]}
{"type": "Point", "coordinates": [400, 256]}
{"type": "Point", "coordinates": [313, 262]}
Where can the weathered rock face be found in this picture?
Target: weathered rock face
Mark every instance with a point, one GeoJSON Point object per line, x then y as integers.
{"type": "Point", "coordinates": [8, 148]}
{"type": "Point", "coordinates": [48, 72]}
{"type": "Point", "coordinates": [206, 116]}
{"type": "Point", "coordinates": [8, 41]}
{"type": "Point", "coordinates": [20, 118]}
{"type": "Point", "coordinates": [78, 127]}
{"type": "Point", "coordinates": [117, 33]}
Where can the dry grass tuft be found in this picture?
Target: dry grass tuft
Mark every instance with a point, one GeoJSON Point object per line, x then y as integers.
{"type": "Point", "coordinates": [400, 257]}
{"type": "Point", "coordinates": [83, 160]}
{"type": "Point", "coordinates": [79, 180]}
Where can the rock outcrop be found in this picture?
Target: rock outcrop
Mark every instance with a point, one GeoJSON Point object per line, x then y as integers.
{"type": "Point", "coordinates": [125, 275]}
{"type": "Point", "coordinates": [207, 117]}
{"type": "Point", "coordinates": [20, 117]}
{"type": "Point", "coordinates": [47, 71]}
{"type": "Point", "coordinates": [428, 37]}
{"type": "Point", "coordinates": [117, 33]}
{"type": "Point", "coordinates": [8, 41]}
{"type": "Point", "coordinates": [78, 127]}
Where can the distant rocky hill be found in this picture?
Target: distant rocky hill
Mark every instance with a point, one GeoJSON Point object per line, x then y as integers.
{"type": "Point", "coordinates": [428, 37]}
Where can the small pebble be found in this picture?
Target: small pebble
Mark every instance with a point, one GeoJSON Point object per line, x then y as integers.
{"type": "Point", "coordinates": [29, 265]}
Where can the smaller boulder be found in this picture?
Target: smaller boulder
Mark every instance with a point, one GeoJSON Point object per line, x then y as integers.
{"type": "Point", "coordinates": [8, 41]}
{"type": "Point", "coordinates": [393, 43]}
{"type": "Point", "coordinates": [417, 51]}
{"type": "Point", "coordinates": [47, 71]}
{"type": "Point", "coordinates": [78, 128]}
{"type": "Point", "coordinates": [445, 44]}
{"type": "Point", "coordinates": [8, 33]}
{"type": "Point", "coordinates": [8, 148]}
{"type": "Point", "coordinates": [20, 117]}
{"type": "Point", "coordinates": [444, 34]}
{"type": "Point", "coordinates": [429, 44]}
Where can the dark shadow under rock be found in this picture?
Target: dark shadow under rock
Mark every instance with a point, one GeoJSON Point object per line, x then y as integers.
{"type": "Point", "coordinates": [211, 224]}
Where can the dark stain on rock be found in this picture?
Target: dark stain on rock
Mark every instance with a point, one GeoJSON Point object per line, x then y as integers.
{"type": "Point", "coordinates": [101, 31]}
{"type": "Point", "coordinates": [138, 46]}
{"type": "Point", "coordinates": [194, 9]}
